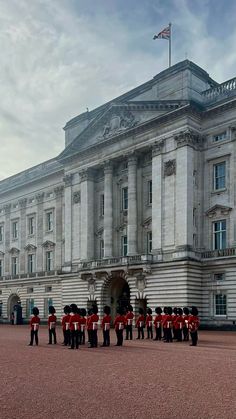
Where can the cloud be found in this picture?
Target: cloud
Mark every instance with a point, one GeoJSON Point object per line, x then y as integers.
{"type": "Point", "coordinates": [59, 57]}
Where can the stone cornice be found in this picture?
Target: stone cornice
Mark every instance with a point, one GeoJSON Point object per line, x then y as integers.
{"type": "Point", "coordinates": [86, 174]}
{"type": "Point", "coordinates": [189, 138]}
{"type": "Point", "coordinates": [220, 209]}
{"type": "Point", "coordinates": [22, 203]}
{"type": "Point", "coordinates": [67, 179]}
{"type": "Point", "coordinates": [158, 147]}
{"type": "Point", "coordinates": [59, 191]}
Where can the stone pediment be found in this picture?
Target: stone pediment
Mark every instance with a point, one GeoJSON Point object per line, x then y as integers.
{"type": "Point", "coordinates": [218, 210]}
{"type": "Point", "coordinates": [14, 251]}
{"type": "Point", "coordinates": [30, 248]}
{"type": "Point", "coordinates": [147, 222]}
{"type": "Point", "coordinates": [48, 244]}
{"type": "Point", "coordinates": [1, 253]}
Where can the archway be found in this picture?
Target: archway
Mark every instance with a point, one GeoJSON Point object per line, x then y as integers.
{"type": "Point", "coordinates": [13, 300]}
{"type": "Point", "coordinates": [116, 294]}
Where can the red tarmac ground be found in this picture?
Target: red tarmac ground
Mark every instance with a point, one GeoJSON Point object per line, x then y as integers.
{"type": "Point", "coordinates": [142, 379]}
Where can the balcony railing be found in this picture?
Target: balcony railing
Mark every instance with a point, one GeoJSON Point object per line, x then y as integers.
{"type": "Point", "coordinates": [124, 260]}
{"type": "Point", "coordinates": [230, 251]}
{"type": "Point", "coordinates": [228, 88]}
{"type": "Point", "coordinates": [30, 275]}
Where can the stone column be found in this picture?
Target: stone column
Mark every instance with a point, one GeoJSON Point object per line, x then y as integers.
{"type": "Point", "coordinates": [184, 189]}
{"type": "Point", "coordinates": [68, 220]}
{"type": "Point", "coordinates": [108, 219]}
{"type": "Point", "coordinates": [157, 221]}
{"type": "Point", "coordinates": [40, 226]}
{"type": "Point", "coordinates": [7, 227]}
{"type": "Point", "coordinates": [87, 215]}
{"type": "Point", "coordinates": [132, 205]}
{"type": "Point", "coordinates": [22, 238]}
{"type": "Point", "coordinates": [58, 257]}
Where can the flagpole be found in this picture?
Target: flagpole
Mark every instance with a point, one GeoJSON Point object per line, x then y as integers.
{"type": "Point", "coordinates": [170, 46]}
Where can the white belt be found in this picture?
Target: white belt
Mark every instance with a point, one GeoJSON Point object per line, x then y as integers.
{"type": "Point", "coordinates": [181, 326]}
{"type": "Point", "coordinates": [67, 326]}
{"type": "Point", "coordinates": [186, 324]}
{"type": "Point", "coordinates": [149, 323]}
{"type": "Point", "coordinates": [36, 326]}
{"type": "Point", "coordinates": [158, 324]}
{"type": "Point", "coordinates": [52, 325]}
{"type": "Point", "coordinates": [140, 324]}
{"type": "Point", "coordinates": [82, 327]}
{"type": "Point", "coordinates": [121, 326]}
{"type": "Point", "coordinates": [130, 322]}
{"type": "Point", "coordinates": [95, 326]}
{"type": "Point", "coordinates": [107, 326]}
{"type": "Point", "coordinates": [169, 324]}
{"type": "Point", "coordinates": [75, 325]}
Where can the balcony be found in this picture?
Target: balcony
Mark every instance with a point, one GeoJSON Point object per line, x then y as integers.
{"type": "Point", "coordinates": [222, 253]}
{"type": "Point", "coordinates": [29, 275]}
{"type": "Point", "coordinates": [116, 261]}
{"type": "Point", "coordinates": [222, 91]}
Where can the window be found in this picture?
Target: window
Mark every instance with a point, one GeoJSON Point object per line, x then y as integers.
{"type": "Point", "coordinates": [31, 226]}
{"type": "Point", "coordinates": [31, 263]}
{"type": "Point", "coordinates": [149, 242]}
{"type": "Point", "coordinates": [219, 276]}
{"type": "Point", "coordinates": [219, 176]}
{"type": "Point", "coordinates": [48, 288]}
{"type": "Point", "coordinates": [47, 303]}
{"type": "Point", "coordinates": [14, 265]}
{"type": "Point", "coordinates": [220, 137]}
{"type": "Point", "coordinates": [219, 235]}
{"type": "Point", "coordinates": [15, 229]}
{"type": "Point", "coordinates": [49, 261]}
{"type": "Point", "coordinates": [101, 205]}
{"type": "Point", "coordinates": [29, 306]}
{"type": "Point", "coordinates": [101, 248]}
{"type": "Point", "coordinates": [1, 233]}
{"type": "Point", "coordinates": [49, 221]}
{"type": "Point", "coordinates": [220, 305]}
{"type": "Point", "coordinates": [124, 198]}
{"type": "Point", "coordinates": [150, 192]}
{"type": "Point", "coordinates": [124, 243]}
{"type": "Point", "coordinates": [1, 267]}
{"type": "Point", "coordinates": [30, 290]}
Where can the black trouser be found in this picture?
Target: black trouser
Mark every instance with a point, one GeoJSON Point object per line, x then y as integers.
{"type": "Point", "coordinates": [52, 333]}
{"type": "Point", "coordinates": [82, 337]}
{"type": "Point", "coordinates": [106, 337]}
{"type": "Point", "coordinates": [34, 334]}
{"type": "Point", "coordinates": [129, 332]}
{"type": "Point", "coordinates": [194, 337]}
{"type": "Point", "coordinates": [178, 333]}
{"type": "Point", "coordinates": [186, 333]}
{"type": "Point", "coordinates": [74, 339]}
{"type": "Point", "coordinates": [89, 336]}
{"type": "Point", "coordinates": [175, 333]}
{"type": "Point", "coordinates": [158, 333]}
{"type": "Point", "coordinates": [119, 334]}
{"type": "Point", "coordinates": [93, 338]}
{"type": "Point", "coordinates": [140, 332]}
{"type": "Point", "coordinates": [164, 333]}
{"type": "Point", "coordinates": [149, 332]}
{"type": "Point", "coordinates": [168, 335]}
{"type": "Point", "coordinates": [66, 334]}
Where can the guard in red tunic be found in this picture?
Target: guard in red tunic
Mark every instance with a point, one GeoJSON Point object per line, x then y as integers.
{"type": "Point", "coordinates": [93, 327]}
{"type": "Point", "coordinates": [168, 324]}
{"type": "Point", "coordinates": [129, 323]}
{"type": "Point", "coordinates": [164, 317]}
{"type": "Point", "coordinates": [83, 321]}
{"type": "Point", "coordinates": [174, 316]}
{"type": "Point", "coordinates": [88, 325]}
{"type": "Point", "coordinates": [194, 323]}
{"type": "Point", "coordinates": [119, 325]}
{"type": "Point", "coordinates": [34, 327]}
{"type": "Point", "coordinates": [65, 322]}
{"type": "Point", "coordinates": [149, 323]}
{"type": "Point", "coordinates": [74, 326]}
{"type": "Point", "coordinates": [186, 324]}
{"type": "Point", "coordinates": [52, 320]}
{"type": "Point", "coordinates": [158, 322]}
{"type": "Point", "coordinates": [179, 325]}
{"type": "Point", "coordinates": [106, 324]}
{"type": "Point", "coordinates": [140, 323]}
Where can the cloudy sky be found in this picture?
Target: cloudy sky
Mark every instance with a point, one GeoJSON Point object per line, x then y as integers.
{"type": "Point", "coordinates": [59, 57]}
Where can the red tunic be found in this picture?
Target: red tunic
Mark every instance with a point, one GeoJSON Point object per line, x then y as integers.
{"type": "Point", "coordinates": [34, 323]}
{"type": "Point", "coordinates": [167, 321]}
{"type": "Point", "coordinates": [163, 319]}
{"type": "Point", "coordinates": [106, 322]}
{"type": "Point", "coordinates": [186, 320]}
{"type": "Point", "coordinates": [149, 320]}
{"type": "Point", "coordinates": [129, 318]}
{"type": "Point", "coordinates": [119, 322]}
{"type": "Point", "coordinates": [158, 320]}
{"type": "Point", "coordinates": [83, 322]}
{"type": "Point", "coordinates": [179, 322]}
{"type": "Point", "coordinates": [52, 321]}
{"type": "Point", "coordinates": [92, 322]}
{"type": "Point", "coordinates": [174, 317]}
{"type": "Point", "coordinates": [65, 321]}
{"type": "Point", "coordinates": [194, 323]}
{"type": "Point", "coordinates": [140, 321]}
{"type": "Point", "coordinates": [74, 318]}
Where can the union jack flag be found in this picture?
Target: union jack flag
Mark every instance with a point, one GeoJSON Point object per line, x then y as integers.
{"type": "Point", "coordinates": [164, 34]}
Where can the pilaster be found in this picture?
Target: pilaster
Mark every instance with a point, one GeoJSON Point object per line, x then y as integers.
{"type": "Point", "coordinates": [87, 214]}
{"type": "Point", "coordinates": [68, 219]}
{"type": "Point", "coordinates": [108, 204]}
{"type": "Point", "coordinates": [132, 205]}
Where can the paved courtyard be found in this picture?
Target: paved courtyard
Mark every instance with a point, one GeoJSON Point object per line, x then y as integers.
{"type": "Point", "coordinates": [143, 379]}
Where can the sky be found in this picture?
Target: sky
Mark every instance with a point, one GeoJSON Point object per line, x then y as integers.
{"type": "Point", "coordinates": [59, 57]}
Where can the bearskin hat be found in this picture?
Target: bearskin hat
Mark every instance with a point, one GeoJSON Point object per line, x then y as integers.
{"type": "Point", "coordinates": [194, 311]}
{"type": "Point", "coordinates": [35, 311]}
{"type": "Point", "coordinates": [95, 309]}
{"type": "Point", "coordinates": [67, 310]}
{"type": "Point", "coordinates": [90, 311]}
{"type": "Point", "coordinates": [175, 310]}
{"type": "Point", "coordinates": [186, 311]}
{"type": "Point", "coordinates": [165, 310]}
{"type": "Point", "coordinates": [140, 310]}
{"type": "Point", "coordinates": [169, 310]}
{"type": "Point", "coordinates": [130, 308]}
{"type": "Point", "coordinates": [149, 310]}
{"type": "Point", "coordinates": [107, 310]}
{"type": "Point", "coordinates": [119, 310]}
{"type": "Point", "coordinates": [78, 311]}
{"type": "Point", "coordinates": [83, 312]}
{"type": "Point", "coordinates": [51, 310]}
{"type": "Point", "coordinates": [158, 310]}
{"type": "Point", "coordinates": [180, 311]}
{"type": "Point", "coordinates": [73, 308]}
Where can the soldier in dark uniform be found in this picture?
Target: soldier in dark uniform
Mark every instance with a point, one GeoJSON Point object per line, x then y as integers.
{"type": "Point", "coordinates": [52, 325]}
{"type": "Point", "coordinates": [106, 324]}
{"type": "Point", "coordinates": [140, 323]}
{"type": "Point", "coordinates": [129, 322]}
{"type": "Point", "coordinates": [34, 327]}
{"type": "Point", "coordinates": [149, 323]}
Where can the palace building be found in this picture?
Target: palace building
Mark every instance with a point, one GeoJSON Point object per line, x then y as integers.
{"type": "Point", "coordinates": [139, 207]}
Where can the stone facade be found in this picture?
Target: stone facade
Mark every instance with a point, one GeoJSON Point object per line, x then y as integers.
{"type": "Point", "coordinates": [139, 207]}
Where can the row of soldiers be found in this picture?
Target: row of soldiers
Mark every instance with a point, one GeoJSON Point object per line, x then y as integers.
{"type": "Point", "coordinates": [168, 324]}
